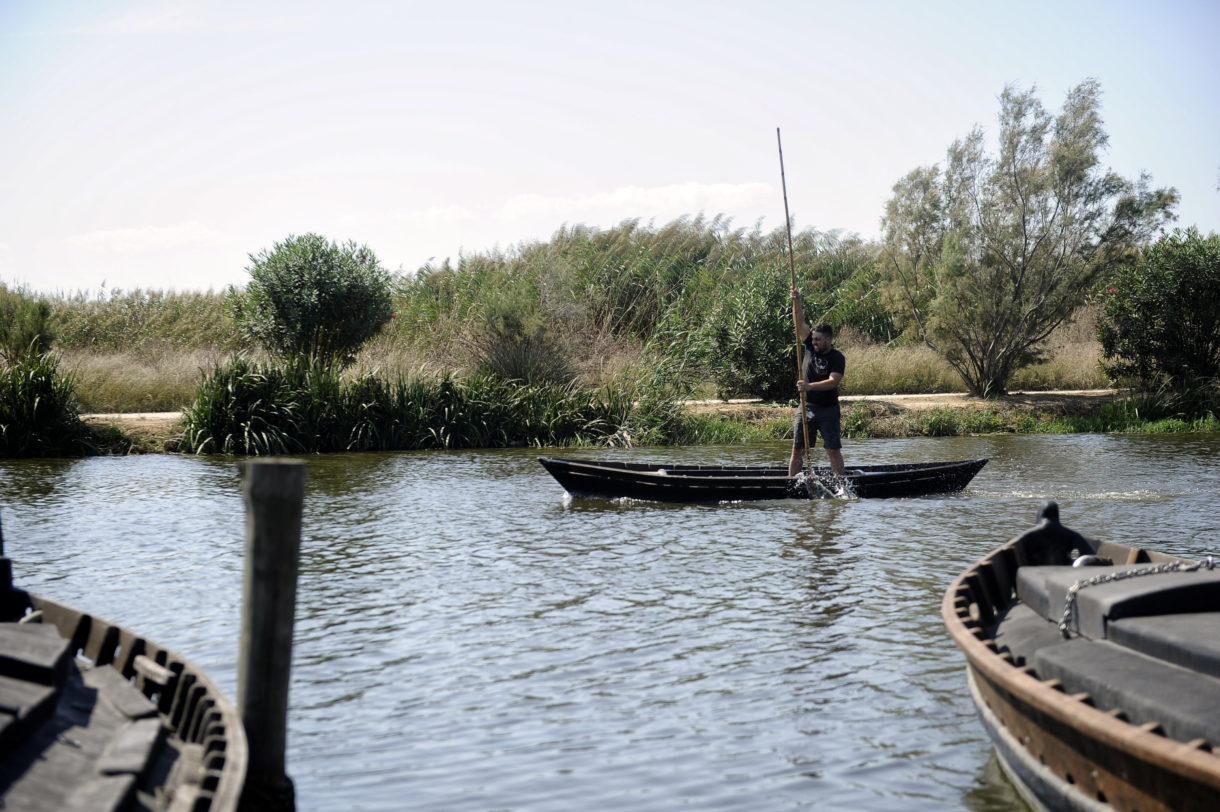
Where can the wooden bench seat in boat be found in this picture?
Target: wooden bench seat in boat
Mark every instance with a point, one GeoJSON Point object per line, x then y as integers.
{"type": "Point", "coordinates": [75, 738]}
{"type": "Point", "coordinates": [1147, 690]}
{"type": "Point", "coordinates": [33, 661]}
{"type": "Point", "coordinates": [1045, 590]}
{"type": "Point", "coordinates": [1144, 644]}
{"type": "Point", "coordinates": [1188, 640]}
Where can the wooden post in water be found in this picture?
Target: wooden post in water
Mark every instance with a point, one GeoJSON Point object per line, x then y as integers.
{"type": "Point", "coordinates": [274, 492]}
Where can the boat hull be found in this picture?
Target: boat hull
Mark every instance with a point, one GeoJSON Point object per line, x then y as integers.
{"type": "Point", "coordinates": [722, 483]}
{"type": "Point", "coordinates": [1065, 747]}
{"type": "Point", "coordinates": [103, 718]}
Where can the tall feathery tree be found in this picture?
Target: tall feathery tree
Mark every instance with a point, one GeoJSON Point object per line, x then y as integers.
{"type": "Point", "coordinates": [990, 255]}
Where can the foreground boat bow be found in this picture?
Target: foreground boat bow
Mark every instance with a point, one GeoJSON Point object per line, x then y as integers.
{"type": "Point", "coordinates": [1095, 668]}
{"type": "Point", "coordinates": [94, 717]}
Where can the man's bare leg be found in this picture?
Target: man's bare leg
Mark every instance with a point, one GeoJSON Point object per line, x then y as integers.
{"type": "Point", "coordinates": [836, 460]}
{"type": "Point", "coordinates": [797, 463]}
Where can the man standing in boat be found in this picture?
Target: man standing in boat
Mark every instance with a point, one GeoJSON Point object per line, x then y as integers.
{"type": "Point", "coordinates": [822, 368]}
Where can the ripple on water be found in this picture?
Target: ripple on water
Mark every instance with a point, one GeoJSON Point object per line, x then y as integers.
{"type": "Point", "coordinates": [466, 638]}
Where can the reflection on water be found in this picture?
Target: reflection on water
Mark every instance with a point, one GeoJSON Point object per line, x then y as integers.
{"type": "Point", "coordinates": [469, 638]}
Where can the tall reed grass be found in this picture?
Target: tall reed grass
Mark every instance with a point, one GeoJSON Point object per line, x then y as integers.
{"type": "Point", "coordinates": [126, 321]}
{"type": "Point", "coordinates": [139, 380]}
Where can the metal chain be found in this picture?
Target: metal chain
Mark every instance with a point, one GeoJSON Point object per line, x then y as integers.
{"type": "Point", "coordinates": [1069, 605]}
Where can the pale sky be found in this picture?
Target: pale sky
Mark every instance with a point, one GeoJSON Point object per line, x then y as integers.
{"type": "Point", "coordinates": [153, 144]}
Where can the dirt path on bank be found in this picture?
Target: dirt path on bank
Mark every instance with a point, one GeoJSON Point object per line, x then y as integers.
{"type": "Point", "coordinates": [1073, 401]}
{"type": "Point", "coordinates": [159, 430]}
{"type": "Point", "coordinates": [137, 422]}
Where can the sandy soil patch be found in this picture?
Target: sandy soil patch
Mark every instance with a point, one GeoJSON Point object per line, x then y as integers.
{"type": "Point", "coordinates": [137, 422]}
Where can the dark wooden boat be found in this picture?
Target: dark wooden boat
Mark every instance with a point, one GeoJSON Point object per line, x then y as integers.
{"type": "Point", "coordinates": [727, 483]}
{"type": "Point", "coordinates": [94, 717]}
{"type": "Point", "coordinates": [1095, 668]}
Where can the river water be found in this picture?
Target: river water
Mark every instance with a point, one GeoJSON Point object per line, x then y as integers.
{"type": "Point", "coordinates": [468, 638]}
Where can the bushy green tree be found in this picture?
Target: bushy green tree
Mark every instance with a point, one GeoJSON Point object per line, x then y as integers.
{"type": "Point", "coordinates": [748, 342]}
{"type": "Point", "coordinates": [312, 299]}
{"type": "Point", "coordinates": [1161, 319]}
{"type": "Point", "coordinates": [991, 254]}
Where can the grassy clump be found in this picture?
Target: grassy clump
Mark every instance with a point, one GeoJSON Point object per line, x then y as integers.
{"type": "Point", "coordinates": [38, 414]}
{"type": "Point", "coordinates": [1140, 413]}
{"type": "Point", "coordinates": [23, 324]}
{"type": "Point", "coordinates": [881, 369]}
{"type": "Point", "coordinates": [247, 408]}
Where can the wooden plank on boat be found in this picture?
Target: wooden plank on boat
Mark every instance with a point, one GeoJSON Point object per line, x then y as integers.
{"type": "Point", "coordinates": [1188, 640]}
{"type": "Point", "coordinates": [132, 750]}
{"type": "Point", "coordinates": [33, 652]}
{"type": "Point", "coordinates": [1119, 678]}
{"type": "Point", "coordinates": [102, 793]}
{"type": "Point", "coordinates": [22, 705]}
{"type": "Point", "coordinates": [119, 693]}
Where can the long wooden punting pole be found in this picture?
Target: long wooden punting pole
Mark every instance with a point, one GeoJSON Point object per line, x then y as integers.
{"type": "Point", "coordinates": [796, 305]}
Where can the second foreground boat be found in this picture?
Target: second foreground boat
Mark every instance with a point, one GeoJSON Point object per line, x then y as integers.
{"type": "Point", "coordinates": [94, 717]}
{"type": "Point", "coordinates": [728, 483]}
{"type": "Point", "coordinates": [1095, 668]}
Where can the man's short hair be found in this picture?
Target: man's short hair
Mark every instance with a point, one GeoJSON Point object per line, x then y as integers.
{"type": "Point", "coordinates": [825, 329]}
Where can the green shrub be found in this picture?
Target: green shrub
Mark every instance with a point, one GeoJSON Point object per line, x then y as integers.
{"type": "Point", "coordinates": [38, 416]}
{"type": "Point", "coordinates": [313, 299]}
{"type": "Point", "coordinates": [857, 305]}
{"type": "Point", "coordinates": [1161, 320]}
{"type": "Point", "coordinates": [242, 409]}
{"type": "Point", "coordinates": [511, 340]}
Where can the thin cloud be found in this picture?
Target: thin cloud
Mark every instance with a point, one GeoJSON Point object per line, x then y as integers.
{"type": "Point", "coordinates": [146, 238]}
{"type": "Point", "coordinates": [184, 19]}
{"type": "Point", "coordinates": [433, 217]}
{"type": "Point", "coordinates": [670, 201]}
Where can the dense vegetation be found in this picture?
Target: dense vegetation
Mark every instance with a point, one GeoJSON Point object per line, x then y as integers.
{"type": "Point", "coordinates": [246, 408]}
{"type": "Point", "coordinates": [38, 413]}
{"type": "Point", "coordinates": [996, 274]}
{"type": "Point", "coordinates": [529, 315]}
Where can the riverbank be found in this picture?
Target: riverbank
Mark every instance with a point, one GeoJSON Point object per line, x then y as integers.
{"type": "Point", "coordinates": [1075, 401]}
{"type": "Point", "coordinates": [158, 432]}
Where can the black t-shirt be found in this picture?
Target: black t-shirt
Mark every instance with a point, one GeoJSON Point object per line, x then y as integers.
{"type": "Point", "coordinates": [818, 368]}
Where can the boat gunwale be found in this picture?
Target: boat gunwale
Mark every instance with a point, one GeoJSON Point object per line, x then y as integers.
{"type": "Point", "coordinates": [185, 713]}
{"type": "Point", "coordinates": [702, 472]}
{"type": "Point", "coordinates": [1179, 757]}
